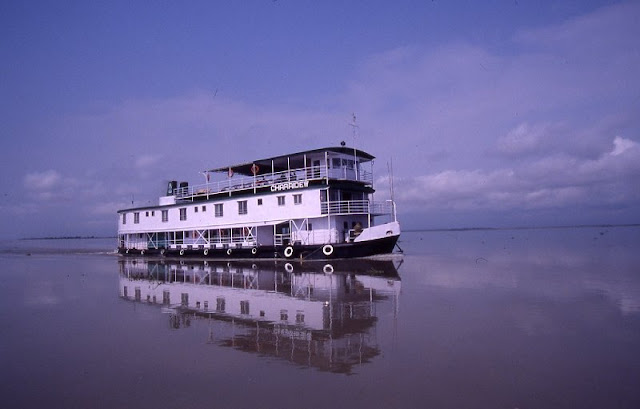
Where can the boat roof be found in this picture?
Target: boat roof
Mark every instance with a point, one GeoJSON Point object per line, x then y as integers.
{"type": "Point", "coordinates": [293, 160]}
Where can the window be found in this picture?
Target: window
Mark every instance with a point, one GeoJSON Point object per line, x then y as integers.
{"type": "Point", "coordinates": [183, 213]}
{"type": "Point", "coordinates": [165, 215]}
{"type": "Point", "coordinates": [336, 163]}
{"type": "Point", "coordinates": [348, 163]}
{"type": "Point", "coordinates": [204, 208]}
{"type": "Point", "coordinates": [280, 200]}
{"type": "Point", "coordinates": [153, 213]}
{"type": "Point", "coordinates": [242, 207]}
{"type": "Point", "coordinates": [220, 304]}
{"type": "Point", "coordinates": [297, 199]}
{"type": "Point", "coordinates": [309, 226]}
{"type": "Point", "coordinates": [244, 307]}
{"type": "Point", "coordinates": [218, 210]}
{"type": "Point", "coordinates": [259, 202]}
{"type": "Point", "coordinates": [146, 214]}
{"type": "Point", "coordinates": [195, 209]}
{"type": "Point", "coordinates": [299, 317]}
{"type": "Point", "coordinates": [284, 315]}
{"type": "Point", "coordinates": [124, 218]}
{"type": "Point", "coordinates": [136, 217]}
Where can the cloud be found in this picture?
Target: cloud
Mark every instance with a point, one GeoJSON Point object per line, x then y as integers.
{"type": "Point", "coordinates": [146, 160]}
{"type": "Point", "coordinates": [520, 140]}
{"type": "Point", "coordinates": [621, 145]}
{"type": "Point", "coordinates": [45, 180]}
{"type": "Point", "coordinates": [550, 182]}
{"type": "Point", "coordinates": [107, 208]}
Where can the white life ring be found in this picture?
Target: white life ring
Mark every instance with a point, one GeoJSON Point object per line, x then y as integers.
{"type": "Point", "coordinates": [229, 251]}
{"type": "Point", "coordinates": [141, 252]}
{"type": "Point", "coordinates": [127, 251]}
{"type": "Point", "coordinates": [254, 251]}
{"type": "Point", "coordinates": [288, 252]}
{"type": "Point", "coordinates": [206, 251]}
{"type": "Point", "coordinates": [182, 252]}
{"type": "Point", "coordinates": [327, 269]}
{"type": "Point", "coordinates": [162, 252]}
{"type": "Point", "coordinates": [327, 249]}
{"type": "Point", "coordinates": [288, 268]}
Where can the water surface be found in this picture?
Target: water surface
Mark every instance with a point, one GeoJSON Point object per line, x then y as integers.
{"type": "Point", "coordinates": [476, 319]}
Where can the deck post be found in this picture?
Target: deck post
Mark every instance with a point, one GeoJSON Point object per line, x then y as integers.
{"type": "Point", "coordinates": [326, 167]}
{"type": "Point", "coordinates": [306, 172]}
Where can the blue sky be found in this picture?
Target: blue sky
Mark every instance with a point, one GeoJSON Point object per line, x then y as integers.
{"type": "Point", "coordinates": [495, 113]}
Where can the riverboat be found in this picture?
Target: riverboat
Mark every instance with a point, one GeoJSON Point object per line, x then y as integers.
{"type": "Point", "coordinates": [316, 204]}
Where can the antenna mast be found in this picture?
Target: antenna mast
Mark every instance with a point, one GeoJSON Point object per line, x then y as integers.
{"type": "Point", "coordinates": [355, 132]}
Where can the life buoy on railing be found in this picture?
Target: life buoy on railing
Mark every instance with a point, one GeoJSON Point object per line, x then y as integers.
{"type": "Point", "coordinates": [254, 251]}
{"type": "Point", "coordinates": [327, 249]}
{"type": "Point", "coordinates": [288, 252]}
{"type": "Point", "coordinates": [182, 252]}
{"type": "Point", "coordinates": [206, 251]}
{"type": "Point", "coordinates": [327, 269]}
{"type": "Point", "coordinates": [229, 251]}
{"type": "Point", "coordinates": [288, 268]}
{"type": "Point", "coordinates": [162, 252]}
{"type": "Point", "coordinates": [141, 252]}
{"type": "Point", "coordinates": [127, 251]}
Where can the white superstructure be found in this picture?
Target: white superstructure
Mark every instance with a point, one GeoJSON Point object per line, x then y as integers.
{"type": "Point", "coordinates": [316, 203]}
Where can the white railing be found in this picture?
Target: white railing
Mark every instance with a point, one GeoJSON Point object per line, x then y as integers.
{"type": "Point", "coordinates": [356, 207]}
{"type": "Point", "coordinates": [386, 207]}
{"type": "Point", "coordinates": [254, 182]}
{"type": "Point", "coordinates": [281, 239]}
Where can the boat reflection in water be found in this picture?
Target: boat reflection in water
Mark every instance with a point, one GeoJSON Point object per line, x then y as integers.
{"type": "Point", "coordinates": [313, 314]}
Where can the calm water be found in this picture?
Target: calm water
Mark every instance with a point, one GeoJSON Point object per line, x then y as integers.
{"type": "Point", "coordinates": [478, 319]}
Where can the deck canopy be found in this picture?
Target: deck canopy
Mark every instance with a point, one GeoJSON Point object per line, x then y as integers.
{"type": "Point", "coordinates": [290, 161]}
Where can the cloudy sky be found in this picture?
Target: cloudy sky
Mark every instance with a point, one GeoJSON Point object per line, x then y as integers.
{"type": "Point", "coordinates": [494, 113]}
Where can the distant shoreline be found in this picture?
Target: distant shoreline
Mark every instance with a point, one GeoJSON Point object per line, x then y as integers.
{"type": "Point", "coordinates": [577, 226]}
{"type": "Point", "coordinates": [67, 237]}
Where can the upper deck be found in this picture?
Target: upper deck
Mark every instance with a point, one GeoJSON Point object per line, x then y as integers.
{"type": "Point", "coordinates": [285, 172]}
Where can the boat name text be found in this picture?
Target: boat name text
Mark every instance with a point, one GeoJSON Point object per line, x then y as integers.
{"type": "Point", "coordinates": [289, 185]}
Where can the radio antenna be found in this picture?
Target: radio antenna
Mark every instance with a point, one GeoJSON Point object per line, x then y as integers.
{"type": "Point", "coordinates": [355, 127]}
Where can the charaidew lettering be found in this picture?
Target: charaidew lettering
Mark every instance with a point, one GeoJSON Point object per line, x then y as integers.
{"type": "Point", "coordinates": [290, 185]}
